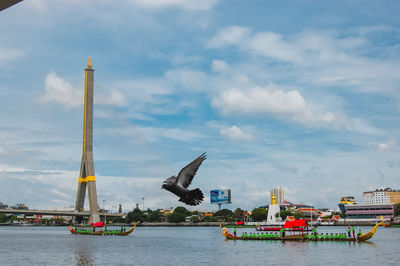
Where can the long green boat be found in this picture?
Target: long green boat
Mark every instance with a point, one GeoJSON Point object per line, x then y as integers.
{"type": "Point", "coordinates": [302, 237]}
{"type": "Point", "coordinates": [93, 232]}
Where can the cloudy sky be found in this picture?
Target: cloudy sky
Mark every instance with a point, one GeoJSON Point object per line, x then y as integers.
{"type": "Point", "coordinates": [299, 94]}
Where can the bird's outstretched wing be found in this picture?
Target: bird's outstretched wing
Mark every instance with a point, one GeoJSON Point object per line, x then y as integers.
{"type": "Point", "coordinates": [171, 179]}
{"type": "Point", "coordinates": [186, 175]}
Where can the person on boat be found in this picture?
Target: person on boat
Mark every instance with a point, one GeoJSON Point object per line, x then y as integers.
{"type": "Point", "coordinates": [353, 230]}
{"type": "Point", "coordinates": [283, 232]}
{"type": "Point", "coordinates": [234, 231]}
{"type": "Point", "coordinates": [359, 233]}
{"type": "Point", "coordinates": [349, 232]}
{"type": "Point", "coordinates": [314, 231]}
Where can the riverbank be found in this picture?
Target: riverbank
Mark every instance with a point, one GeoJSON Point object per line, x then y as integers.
{"type": "Point", "coordinates": [204, 224]}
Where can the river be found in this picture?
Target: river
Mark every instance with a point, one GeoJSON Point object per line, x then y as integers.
{"type": "Point", "coordinates": [36, 245]}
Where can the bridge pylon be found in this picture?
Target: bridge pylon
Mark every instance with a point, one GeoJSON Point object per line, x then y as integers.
{"type": "Point", "coordinates": [87, 177]}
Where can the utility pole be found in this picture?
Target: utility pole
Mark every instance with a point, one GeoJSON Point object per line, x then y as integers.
{"type": "Point", "coordinates": [104, 210]}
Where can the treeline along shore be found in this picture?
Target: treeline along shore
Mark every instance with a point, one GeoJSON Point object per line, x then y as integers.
{"type": "Point", "coordinates": [180, 216]}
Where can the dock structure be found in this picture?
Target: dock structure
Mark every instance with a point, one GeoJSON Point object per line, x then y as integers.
{"type": "Point", "coordinates": [87, 177]}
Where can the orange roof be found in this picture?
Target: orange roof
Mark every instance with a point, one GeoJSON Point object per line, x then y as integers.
{"type": "Point", "coordinates": [335, 217]}
{"type": "Point", "coordinates": [290, 218]}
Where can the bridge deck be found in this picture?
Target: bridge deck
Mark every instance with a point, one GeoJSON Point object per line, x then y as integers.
{"type": "Point", "coordinates": [58, 213]}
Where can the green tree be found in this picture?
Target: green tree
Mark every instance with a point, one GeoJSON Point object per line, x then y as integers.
{"type": "Point", "coordinates": [176, 217]}
{"type": "Point", "coordinates": [298, 215]}
{"type": "Point", "coordinates": [154, 216]}
{"type": "Point", "coordinates": [259, 214]}
{"type": "Point", "coordinates": [397, 209]}
{"type": "Point", "coordinates": [182, 210]}
{"type": "Point", "coordinates": [3, 218]}
{"type": "Point", "coordinates": [179, 214]}
{"type": "Point", "coordinates": [285, 214]}
{"type": "Point", "coordinates": [135, 215]}
{"type": "Point", "coordinates": [117, 220]}
{"type": "Point", "coordinates": [208, 219]}
{"type": "Point", "coordinates": [226, 214]}
{"type": "Point", "coordinates": [238, 214]}
{"type": "Point", "coordinates": [194, 219]}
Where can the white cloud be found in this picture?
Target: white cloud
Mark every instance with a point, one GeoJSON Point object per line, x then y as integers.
{"type": "Point", "coordinates": [229, 36]}
{"type": "Point", "coordinates": [305, 48]}
{"type": "Point", "coordinates": [185, 4]}
{"type": "Point", "coordinates": [236, 133]}
{"type": "Point", "coordinates": [7, 54]}
{"type": "Point", "coordinates": [117, 98]}
{"type": "Point", "coordinates": [383, 146]}
{"type": "Point", "coordinates": [187, 79]}
{"type": "Point", "coordinates": [260, 100]}
{"type": "Point", "coordinates": [61, 91]}
{"type": "Point", "coordinates": [288, 105]}
{"type": "Point", "coordinates": [155, 133]}
{"type": "Point", "coordinates": [387, 146]}
{"type": "Point", "coordinates": [3, 151]}
{"type": "Point", "coordinates": [317, 57]}
{"type": "Point", "coordinates": [219, 66]}
{"type": "Point", "coordinates": [272, 45]}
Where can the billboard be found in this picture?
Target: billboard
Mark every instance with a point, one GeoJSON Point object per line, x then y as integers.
{"type": "Point", "coordinates": [220, 196]}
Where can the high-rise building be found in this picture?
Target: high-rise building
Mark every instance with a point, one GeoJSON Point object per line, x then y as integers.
{"type": "Point", "coordinates": [279, 193]}
{"type": "Point", "coordinates": [381, 196]}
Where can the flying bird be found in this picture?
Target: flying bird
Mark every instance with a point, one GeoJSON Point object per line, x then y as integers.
{"type": "Point", "coordinates": [178, 185]}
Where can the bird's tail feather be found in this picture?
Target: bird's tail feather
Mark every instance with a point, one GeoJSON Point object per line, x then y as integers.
{"type": "Point", "coordinates": [195, 197]}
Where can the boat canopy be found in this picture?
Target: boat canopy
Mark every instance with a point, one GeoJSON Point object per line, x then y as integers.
{"type": "Point", "coordinates": [99, 224]}
{"type": "Point", "coordinates": [296, 224]}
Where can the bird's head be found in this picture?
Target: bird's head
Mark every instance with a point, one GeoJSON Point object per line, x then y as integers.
{"type": "Point", "coordinates": [164, 186]}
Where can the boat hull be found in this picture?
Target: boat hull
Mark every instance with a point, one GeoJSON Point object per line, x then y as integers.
{"type": "Point", "coordinates": [289, 238]}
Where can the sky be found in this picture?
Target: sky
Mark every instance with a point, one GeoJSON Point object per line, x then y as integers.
{"type": "Point", "coordinates": [299, 94]}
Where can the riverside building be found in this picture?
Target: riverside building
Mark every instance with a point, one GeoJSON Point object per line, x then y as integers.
{"type": "Point", "coordinates": [381, 196]}
{"type": "Point", "coordinates": [376, 204]}
{"type": "Point", "coordinates": [370, 211]}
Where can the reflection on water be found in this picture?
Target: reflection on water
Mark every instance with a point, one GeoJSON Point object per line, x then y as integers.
{"type": "Point", "coordinates": [84, 258]}
{"type": "Point", "coordinates": [186, 245]}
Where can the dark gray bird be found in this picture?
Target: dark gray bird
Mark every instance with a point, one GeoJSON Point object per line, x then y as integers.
{"type": "Point", "coordinates": [178, 185]}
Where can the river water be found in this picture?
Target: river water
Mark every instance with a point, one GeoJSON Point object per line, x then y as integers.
{"type": "Point", "coordinates": [34, 245]}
